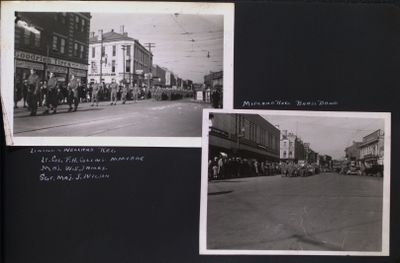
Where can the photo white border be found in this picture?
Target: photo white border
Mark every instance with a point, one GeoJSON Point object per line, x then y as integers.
{"type": "Point", "coordinates": [386, 116]}
{"type": "Point", "coordinates": [7, 58]}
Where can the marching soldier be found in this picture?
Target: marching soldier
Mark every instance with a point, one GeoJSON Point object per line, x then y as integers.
{"type": "Point", "coordinates": [95, 93]}
{"type": "Point", "coordinates": [73, 93]}
{"type": "Point", "coordinates": [52, 94]}
{"type": "Point", "coordinates": [33, 92]}
{"type": "Point", "coordinates": [114, 90]}
{"type": "Point", "coordinates": [124, 91]}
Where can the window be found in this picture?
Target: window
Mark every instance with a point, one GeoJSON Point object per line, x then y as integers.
{"type": "Point", "coordinates": [63, 18]}
{"type": "Point", "coordinates": [83, 25]}
{"type": "Point", "coordinates": [27, 37]}
{"type": "Point", "coordinates": [284, 154]}
{"type": "Point", "coordinates": [75, 49]}
{"type": "Point", "coordinates": [55, 43]}
{"type": "Point", "coordinates": [103, 51]}
{"type": "Point", "coordinates": [128, 50]}
{"type": "Point", "coordinates": [81, 51]}
{"type": "Point", "coordinates": [93, 65]}
{"type": "Point", "coordinates": [37, 39]}
{"type": "Point", "coordinates": [113, 66]}
{"type": "Point", "coordinates": [62, 45]}
{"type": "Point", "coordinates": [76, 22]}
{"type": "Point", "coordinates": [128, 65]}
{"type": "Point", "coordinates": [93, 52]}
{"type": "Point", "coordinates": [114, 51]}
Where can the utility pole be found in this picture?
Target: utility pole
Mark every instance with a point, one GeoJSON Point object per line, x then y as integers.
{"type": "Point", "coordinates": [123, 58]}
{"type": "Point", "coordinates": [150, 45]}
{"type": "Point", "coordinates": [101, 55]}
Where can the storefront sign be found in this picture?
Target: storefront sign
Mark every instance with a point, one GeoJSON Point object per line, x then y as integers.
{"type": "Point", "coordinates": [104, 74]}
{"type": "Point", "coordinates": [26, 64]}
{"type": "Point", "coordinates": [77, 72]}
{"type": "Point", "coordinates": [57, 69]}
{"type": "Point", "coordinates": [49, 60]}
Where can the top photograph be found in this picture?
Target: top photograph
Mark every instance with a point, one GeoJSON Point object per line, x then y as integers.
{"type": "Point", "coordinates": [92, 73]}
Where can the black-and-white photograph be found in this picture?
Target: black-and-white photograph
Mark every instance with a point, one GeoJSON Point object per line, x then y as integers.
{"type": "Point", "coordinates": [119, 73]}
{"type": "Point", "coordinates": [287, 182]}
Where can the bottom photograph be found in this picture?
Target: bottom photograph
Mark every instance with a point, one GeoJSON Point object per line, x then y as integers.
{"type": "Point", "coordinates": [295, 182]}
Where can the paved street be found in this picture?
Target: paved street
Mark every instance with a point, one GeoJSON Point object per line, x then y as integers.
{"type": "Point", "coordinates": [321, 212]}
{"type": "Point", "coordinates": [180, 118]}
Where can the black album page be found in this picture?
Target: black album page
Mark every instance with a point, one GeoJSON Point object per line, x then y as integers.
{"type": "Point", "coordinates": [239, 131]}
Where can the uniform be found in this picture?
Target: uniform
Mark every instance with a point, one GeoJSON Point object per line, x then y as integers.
{"type": "Point", "coordinates": [114, 90]}
{"type": "Point", "coordinates": [95, 93]}
{"type": "Point", "coordinates": [33, 93]}
{"type": "Point", "coordinates": [124, 93]}
{"type": "Point", "coordinates": [73, 94]}
{"type": "Point", "coordinates": [52, 94]}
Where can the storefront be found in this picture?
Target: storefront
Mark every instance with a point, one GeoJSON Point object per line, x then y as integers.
{"type": "Point", "coordinates": [62, 69]}
{"type": "Point", "coordinates": [22, 70]}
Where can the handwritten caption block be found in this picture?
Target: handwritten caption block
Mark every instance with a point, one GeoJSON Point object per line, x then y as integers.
{"type": "Point", "coordinates": [73, 164]}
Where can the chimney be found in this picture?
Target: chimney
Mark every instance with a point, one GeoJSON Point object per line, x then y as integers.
{"type": "Point", "coordinates": [112, 30]}
{"type": "Point", "coordinates": [122, 29]}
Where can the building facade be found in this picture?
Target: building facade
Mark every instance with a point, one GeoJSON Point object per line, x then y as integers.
{"type": "Point", "coordinates": [352, 152]}
{"type": "Point", "coordinates": [52, 42]}
{"type": "Point", "coordinates": [214, 80]}
{"type": "Point", "coordinates": [372, 148]}
{"type": "Point", "coordinates": [244, 135]}
{"type": "Point", "coordinates": [117, 56]}
{"type": "Point", "coordinates": [291, 147]}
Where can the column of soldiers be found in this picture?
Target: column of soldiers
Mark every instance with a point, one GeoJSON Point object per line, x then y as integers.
{"type": "Point", "coordinates": [46, 93]}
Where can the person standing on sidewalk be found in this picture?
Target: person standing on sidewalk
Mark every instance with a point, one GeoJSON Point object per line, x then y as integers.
{"type": "Point", "coordinates": [33, 92]}
{"type": "Point", "coordinates": [114, 90]}
{"type": "Point", "coordinates": [52, 94]}
{"type": "Point", "coordinates": [73, 93]}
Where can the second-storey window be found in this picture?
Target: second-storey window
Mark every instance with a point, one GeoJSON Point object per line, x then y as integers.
{"type": "Point", "coordinates": [55, 43]}
{"type": "Point", "coordinates": [75, 49]}
{"type": "Point", "coordinates": [93, 52]}
{"type": "Point", "coordinates": [62, 45]}
{"type": "Point", "coordinates": [81, 51]}
{"type": "Point", "coordinates": [114, 49]}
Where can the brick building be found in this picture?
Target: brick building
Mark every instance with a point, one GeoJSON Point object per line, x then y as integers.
{"type": "Point", "coordinates": [52, 42]}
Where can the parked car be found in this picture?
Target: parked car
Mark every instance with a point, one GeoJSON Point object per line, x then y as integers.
{"type": "Point", "coordinates": [374, 170]}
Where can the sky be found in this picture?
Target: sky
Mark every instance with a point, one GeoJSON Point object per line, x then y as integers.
{"type": "Point", "coordinates": [327, 135]}
{"type": "Point", "coordinates": [182, 42]}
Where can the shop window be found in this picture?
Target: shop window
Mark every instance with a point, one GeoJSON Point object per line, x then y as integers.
{"type": "Point", "coordinates": [55, 43]}
{"type": "Point", "coordinates": [114, 50]}
{"type": "Point", "coordinates": [128, 66]}
{"type": "Point", "coordinates": [113, 66]}
{"type": "Point", "coordinates": [62, 45]}
{"type": "Point", "coordinates": [75, 49]}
